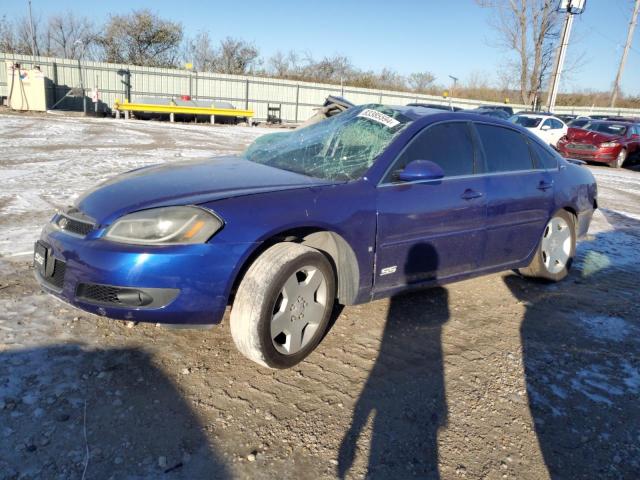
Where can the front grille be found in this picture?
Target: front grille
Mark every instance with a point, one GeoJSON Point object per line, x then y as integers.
{"type": "Point", "coordinates": [99, 293]}
{"type": "Point", "coordinates": [57, 279]}
{"type": "Point", "coordinates": [69, 224]}
{"type": "Point", "coordinates": [581, 146]}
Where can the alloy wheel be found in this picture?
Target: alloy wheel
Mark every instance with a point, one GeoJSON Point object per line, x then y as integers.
{"type": "Point", "coordinates": [556, 245]}
{"type": "Point", "coordinates": [298, 310]}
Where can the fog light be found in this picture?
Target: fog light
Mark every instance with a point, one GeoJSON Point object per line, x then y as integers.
{"type": "Point", "coordinates": [134, 298]}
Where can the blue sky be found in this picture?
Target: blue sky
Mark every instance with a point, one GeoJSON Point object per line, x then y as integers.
{"type": "Point", "coordinates": [445, 37]}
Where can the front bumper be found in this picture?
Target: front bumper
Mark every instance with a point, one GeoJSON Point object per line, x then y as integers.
{"type": "Point", "coordinates": [187, 284]}
{"type": "Point", "coordinates": [608, 155]}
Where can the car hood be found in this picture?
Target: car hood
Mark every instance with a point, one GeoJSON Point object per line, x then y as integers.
{"type": "Point", "coordinates": [186, 183]}
{"type": "Point", "coordinates": [579, 135]}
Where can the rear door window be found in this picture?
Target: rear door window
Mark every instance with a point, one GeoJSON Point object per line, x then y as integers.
{"type": "Point", "coordinates": [505, 150]}
{"type": "Point", "coordinates": [544, 158]}
{"type": "Point", "coordinates": [447, 144]}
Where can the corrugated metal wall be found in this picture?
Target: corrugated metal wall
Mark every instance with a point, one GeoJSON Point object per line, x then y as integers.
{"type": "Point", "coordinates": [296, 98]}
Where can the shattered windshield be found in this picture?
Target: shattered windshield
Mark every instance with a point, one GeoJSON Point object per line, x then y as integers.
{"type": "Point", "coordinates": [342, 147]}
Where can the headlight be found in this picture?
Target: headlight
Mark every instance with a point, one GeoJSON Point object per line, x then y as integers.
{"type": "Point", "coordinates": [608, 144]}
{"type": "Point", "coordinates": [165, 226]}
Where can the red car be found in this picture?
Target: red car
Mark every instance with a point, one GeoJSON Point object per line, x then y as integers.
{"type": "Point", "coordinates": [602, 142]}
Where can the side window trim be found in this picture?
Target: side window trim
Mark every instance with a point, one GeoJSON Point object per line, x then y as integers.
{"type": "Point", "coordinates": [387, 181]}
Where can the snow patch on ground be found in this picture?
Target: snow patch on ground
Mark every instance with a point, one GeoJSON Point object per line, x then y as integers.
{"type": "Point", "coordinates": [605, 328]}
{"type": "Point", "coordinates": [48, 162]}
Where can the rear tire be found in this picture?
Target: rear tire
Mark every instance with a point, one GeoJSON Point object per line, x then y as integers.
{"type": "Point", "coordinates": [283, 305]}
{"type": "Point", "coordinates": [556, 249]}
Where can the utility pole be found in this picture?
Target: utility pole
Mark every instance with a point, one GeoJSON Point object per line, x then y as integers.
{"type": "Point", "coordinates": [34, 46]}
{"type": "Point", "coordinates": [572, 7]}
{"type": "Point", "coordinates": [623, 60]}
{"type": "Point", "coordinates": [455, 82]}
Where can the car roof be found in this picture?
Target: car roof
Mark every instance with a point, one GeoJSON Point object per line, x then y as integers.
{"type": "Point", "coordinates": [415, 112]}
{"type": "Point", "coordinates": [531, 112]}
{"type": "Point", "coordinates": [612, 122]}
{"type": "Point", "coordinates": [534, 115]}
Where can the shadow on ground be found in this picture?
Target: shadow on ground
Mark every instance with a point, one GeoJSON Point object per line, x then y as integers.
{"type": "Point", "coordinates": [405, 393]}
{"type": "Point", "coordinates": [137, 423]}
{"type": "Point", "coordinates": [581, 355]}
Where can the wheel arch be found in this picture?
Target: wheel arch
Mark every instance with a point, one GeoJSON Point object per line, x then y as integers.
{"type": "Point", "coordinates": [571, 210]}
{"type": "Point", "coordinates": [333, 245]}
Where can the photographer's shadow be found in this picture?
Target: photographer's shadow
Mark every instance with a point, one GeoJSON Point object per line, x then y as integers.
{"type": "Point", "coordinates": [405, 391]}
{"type": "Point", "coordinates": [581, 355]}
{"type": "Point", "coordinates": [69, 408]}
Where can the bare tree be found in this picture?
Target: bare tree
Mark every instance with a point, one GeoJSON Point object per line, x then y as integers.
{"type": "Point", "coordinates": [287, 65]}
{"type": "Point", "coordinates": [528, 29]}
{"type": "Point", "coordinates": [142, 38]}
{"type": "Point", "coordinates": [7, 36]}
{"type": "Point", "coordinates": [421, 81]}
{"type": "Point", "coordinates": [388, 78]}
{"type": "Point", "coordinates": [15, 36]}
{"type": "Point", "coordinates": [69, 36]}
{"type": "Point", "coordinates": [330, 69]}
{"type": "Point", "coordinates": [200, 52]}
{"type": "Point", "coordinates": [236, 57]}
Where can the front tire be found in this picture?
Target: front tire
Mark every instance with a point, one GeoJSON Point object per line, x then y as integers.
{"type": "Point", "coordinates": [556, 249]}
{"type": "Point", "coordinates": [283, 305]}
{"type": "Point", "coordinates": [620, 159]}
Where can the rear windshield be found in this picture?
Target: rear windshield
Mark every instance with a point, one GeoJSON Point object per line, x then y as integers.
{"type": "Point", "coordinates": [341, 147]}
{"type": "Point", "coordinates": [608, 128]}
{"type": "Point", "coordinates": [527, 122]}
{"type": "Point", "coordinates": [579, 123]}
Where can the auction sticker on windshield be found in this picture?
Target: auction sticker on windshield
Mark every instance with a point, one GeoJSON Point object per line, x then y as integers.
{"type": "Point", "coordinates": [379, 117]}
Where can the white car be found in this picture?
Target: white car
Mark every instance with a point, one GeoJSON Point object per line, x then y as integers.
{"type": "Point", "coordinates": [548, 128]}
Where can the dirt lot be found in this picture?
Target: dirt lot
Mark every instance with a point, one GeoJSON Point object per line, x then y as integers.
{"type": "Point", "coordinates": [495, 377]}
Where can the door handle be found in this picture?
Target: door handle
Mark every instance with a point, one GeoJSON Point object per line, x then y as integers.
{"type": "Point", "coordinates": [545, 185]}
{"type": "Point", "coordinates": [469, 194]}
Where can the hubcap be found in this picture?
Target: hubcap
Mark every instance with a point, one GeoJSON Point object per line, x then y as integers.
{"type": "Point", "coordinates": [556, 245]}
{"type": "Point", "coordinates": [299, 309]}
{"type": "Point", "coordinates": [621, 158]}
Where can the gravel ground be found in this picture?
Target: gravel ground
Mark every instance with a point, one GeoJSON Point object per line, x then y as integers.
{"type": "Point", "coordinates": [495, 377]}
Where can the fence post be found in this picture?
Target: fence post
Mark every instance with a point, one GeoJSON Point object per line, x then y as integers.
{"type": "Point", "coordinates": [297, 100]}
{"type": "Point", "coordinates": [246, 94]}
{"type": "Point", "coordinates": [54, 68]}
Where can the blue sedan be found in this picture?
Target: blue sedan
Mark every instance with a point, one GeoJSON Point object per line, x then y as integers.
{"type": "Point", "coordinates": [363, 205]}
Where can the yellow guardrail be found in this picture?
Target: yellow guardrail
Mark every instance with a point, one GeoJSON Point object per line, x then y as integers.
{"type": "Point", "coordinates": [155, 108]}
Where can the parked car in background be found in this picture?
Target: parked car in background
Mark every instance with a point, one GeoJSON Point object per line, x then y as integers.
{"type": "Point", "coordinates": [490, 112]}
{"type": "Point", "coordinates": [435, 106]}
{"type": "Point", "coordinates": [602, 142]}
{"type": "Point", "coordinates": [366, 204]}
{"type": "Point", "coordinates": [579, 122]}
{"type": "Point", "coordinates": [533, 112]}
{"type": "Point", "coordinates": [624, 119]}
{"type": "Point", "coordinates": [504, 108]}
{"type": "Point", "coordinates": [567, 118]}
{"type": "Point", "coordinates": [549, 128]}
